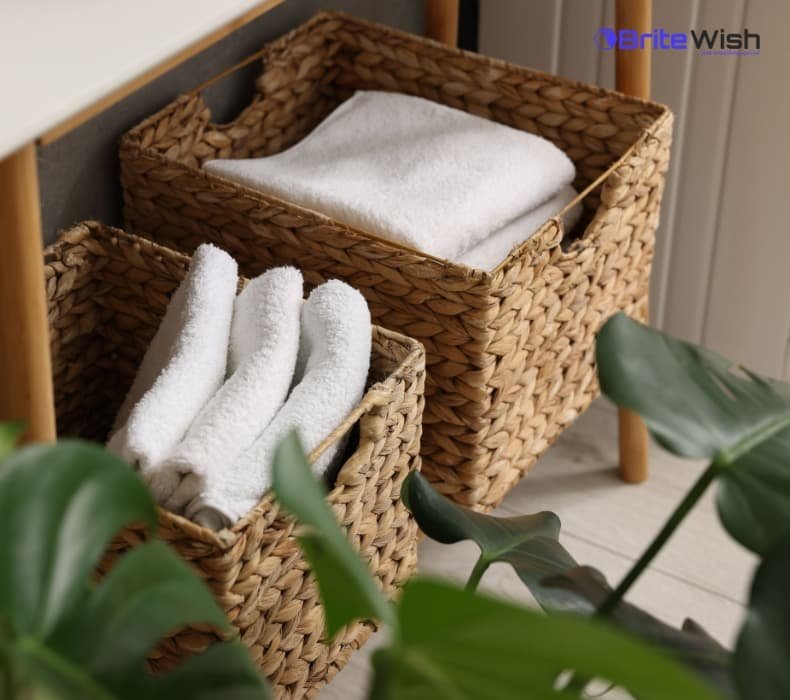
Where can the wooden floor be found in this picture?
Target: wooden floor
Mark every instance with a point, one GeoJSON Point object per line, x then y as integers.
{"type": "Point", "coordinates": [701, 574]}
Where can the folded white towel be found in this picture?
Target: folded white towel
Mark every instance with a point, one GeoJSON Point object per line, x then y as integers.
{"type": "Point", "coordinates": [332, 370]}
{"type": "Point", "coordinates": [264, 343]}
{"type": "Point", "coordinates": [487, 254]}
{"type": "Point", "coordinates": [184, 364]}
{"type": "Point", "coordinates": [432, 177]}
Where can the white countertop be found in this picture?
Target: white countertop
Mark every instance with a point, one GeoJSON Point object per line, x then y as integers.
{"type": "Point", "coordinates": [58, 57]}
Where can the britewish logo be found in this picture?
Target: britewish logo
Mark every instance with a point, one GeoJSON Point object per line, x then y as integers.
{"type": "Point", "coordinates": [708, 42]}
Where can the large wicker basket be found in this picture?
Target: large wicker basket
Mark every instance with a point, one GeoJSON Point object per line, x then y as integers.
{"type": "Point", "coordinates": [107, 292]}
{"type": "Point", "coordinates": [509, 352]}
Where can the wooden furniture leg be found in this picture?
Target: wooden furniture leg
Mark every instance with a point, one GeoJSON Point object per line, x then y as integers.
{"type": "Point", "coordinates": [25, 366]}
{"type": "Point", "coordinates": [632, 66]}
{"type": "Point", "coordinates": [632, 70]}
{"type": "Point", "coordinates": [441, 21]}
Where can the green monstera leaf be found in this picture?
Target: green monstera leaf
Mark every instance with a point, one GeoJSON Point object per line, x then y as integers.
{"type": "Point", "coordinates": [691, 645]}
{"type": "Point", "coordinates": [59, 507]}
{"type": "Point", "coordinates": [458, 645]}
{"type": "Point", "coordinates": [762, 671]}
{"type": "Point", "coordinates": [529, 543]}
{"type": "Point", "coordinates": [347, 588]}
{"type": "Point", "coordinates": [753, 498]}
{"type": "Point", "coordinates": [699, 404]}
{"type": "Point", "coordinates": [56, 522]}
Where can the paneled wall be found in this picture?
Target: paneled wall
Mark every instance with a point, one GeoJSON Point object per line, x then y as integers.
{"type": "Point", "coordinates": [722, 267]}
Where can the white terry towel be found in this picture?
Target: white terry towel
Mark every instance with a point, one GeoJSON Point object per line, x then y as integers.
{"type": "Point", "coordinates": [332, 370]}
{"type": "Point", "coordinates": [184, 364]}
{"type": "Point", "coordinates": [264, 343]}
{"type": "Point", "coordinates": [429, 176]}
{"type": "Point", "coordinates": [487, 254]}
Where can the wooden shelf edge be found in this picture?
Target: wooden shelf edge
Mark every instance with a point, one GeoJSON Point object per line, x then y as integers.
{"type": "Point", "coordinates": [135, 84]}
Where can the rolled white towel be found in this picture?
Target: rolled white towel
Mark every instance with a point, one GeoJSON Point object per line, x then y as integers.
{"type": "Point", "coordinates": [184, 364]}
{"type": "Point", "coordinates": [487, 254]}
{"type": "Point", "coordinates": [264, 342]}
{"type": "Point", "coordinates": [432, 177]}
{"type": "Point", "coordinates": [332, 370]}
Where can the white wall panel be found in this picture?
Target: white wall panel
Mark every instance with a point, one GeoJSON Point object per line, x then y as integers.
{"type": "Point", "coordinates": [580, 18]}
{"type": "Point", "coordinates": [671, 85]}
{"type": "Point", "coordinates": [691, 235]}
{"type": "Point", "coordinates": [748, 303]}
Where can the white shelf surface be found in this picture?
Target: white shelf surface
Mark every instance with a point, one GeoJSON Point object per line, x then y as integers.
{"type": "Point", "coordinates": [58, 57]}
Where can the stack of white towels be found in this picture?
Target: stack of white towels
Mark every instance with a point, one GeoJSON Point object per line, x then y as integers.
{"type": "Point", "coordinates": [434, 178]}
{"type": "Point", "coordinates": [227, 377]}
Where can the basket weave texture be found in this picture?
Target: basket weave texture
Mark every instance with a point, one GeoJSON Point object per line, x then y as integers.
{"type": "Point", "coordinates": [107, 293]}
{"type": "Point", "coordinates": [510, 352]}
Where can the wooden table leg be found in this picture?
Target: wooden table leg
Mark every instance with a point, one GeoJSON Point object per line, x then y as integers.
{"type": "Point", "coordinates": [632, 69]}
{"type": "Point", "coordinates": [634, 447]}
{"type": "Point", "coordinates": [441, 21]}
{"type": "Point", "coordinates": [632, 66]}
{"type": "Point", "coordinates": [25, 365]}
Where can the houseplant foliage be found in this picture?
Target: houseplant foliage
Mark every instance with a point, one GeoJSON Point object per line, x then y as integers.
{"type": "Point", "coordinates": [449, 643]}
{"type": "Point", "coordinates": [556, 582]}
{"type": "Point", "coordinates": [64, 636]}
{"type": "Point", "coordinates": [699, 404]}
{"type": "Point", "coordinates": [452, 643]}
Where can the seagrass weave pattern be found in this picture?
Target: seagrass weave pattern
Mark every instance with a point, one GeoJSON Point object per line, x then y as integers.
{"type": "Point", "coordinates": [107, 293]}
{"type": "Point", "coordinates": [509, 352]}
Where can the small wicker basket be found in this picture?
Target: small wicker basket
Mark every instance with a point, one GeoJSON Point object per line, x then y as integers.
{"type": "Point", "coordinates": [510, 352]}
{"type": "Point", "coordinates": [107, 292]}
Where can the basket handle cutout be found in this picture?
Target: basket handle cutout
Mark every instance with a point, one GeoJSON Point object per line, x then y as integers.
{"type": "Point", "coordinates": [227, 100]}
{"type": "Point", "coordinates": [228, 71]}
{"type": "Point", "coordinates": [374, 397]}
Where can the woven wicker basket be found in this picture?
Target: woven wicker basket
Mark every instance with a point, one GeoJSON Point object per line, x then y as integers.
{"type": "Point", "coordinates": [509, 352]}
{"type": "Point", "coordinates": [107, 292]}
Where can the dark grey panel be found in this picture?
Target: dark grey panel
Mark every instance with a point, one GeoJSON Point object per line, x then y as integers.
{"type": "Point", "coordinates": [79, 173]}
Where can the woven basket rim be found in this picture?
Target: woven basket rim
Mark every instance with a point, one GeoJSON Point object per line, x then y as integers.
{"type": "Point", "coordinates": [215, 181]}
{"type": "Point", "coordinates": [379, 393]}
{"type": "Point", "coordinates": [533, 245]}
{"type": "Point", "coordinates": [444, 49]}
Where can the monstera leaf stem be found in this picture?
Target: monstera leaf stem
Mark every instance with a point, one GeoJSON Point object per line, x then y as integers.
{"type": "Point", "coordinates": [672, 523]}
{"type": "Point", "coordinates": [480, 567]}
